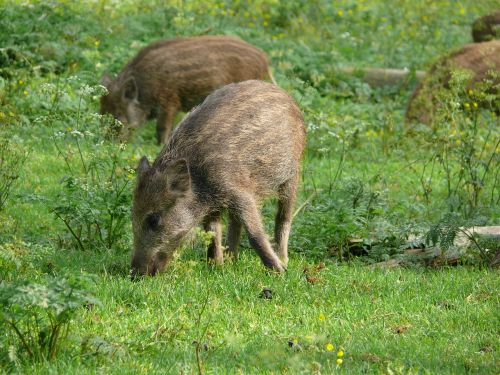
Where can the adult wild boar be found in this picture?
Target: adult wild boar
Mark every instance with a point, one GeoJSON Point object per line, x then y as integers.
{"type": "Point", "coordinates": [176, 74]}
{"type": "Point", "coordinates": [242, 144]}
{"type": "Point", "coordinates": [482, 60]}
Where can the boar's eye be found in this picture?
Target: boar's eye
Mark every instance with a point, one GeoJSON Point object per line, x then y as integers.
{"type": "Point", "coordinates": [153, 220]}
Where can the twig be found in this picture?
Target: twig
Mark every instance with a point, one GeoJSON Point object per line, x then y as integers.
{"type": "Point", "coordinates": [309, 198]}
{"type": "Point", "coordinates": [71, 230]}
{"type": "Point", "coordinates": [21, 337]}
{"type": "Point", "coordinates": [470, 236]}
{"type": "Point", "coordinates": [200, 338]}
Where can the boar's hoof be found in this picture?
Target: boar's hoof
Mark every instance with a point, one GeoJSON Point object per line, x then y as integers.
{"type": "Point", "coordinates": [276, 268]}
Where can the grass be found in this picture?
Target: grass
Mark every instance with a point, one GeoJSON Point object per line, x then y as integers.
{"type": "Point", "coordinates": [445, 318]}
{"type": "Point", "coordinates": [364, 175]}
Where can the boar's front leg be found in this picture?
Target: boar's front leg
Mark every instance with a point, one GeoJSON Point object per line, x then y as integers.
{"type": "Point", "coordinates": [164, 124]}
{"type": "Point", "coordinates": [250, 216]}
{"type": "Point", "coordinates": [212, 223]}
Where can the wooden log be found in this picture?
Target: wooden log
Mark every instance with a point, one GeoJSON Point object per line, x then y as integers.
{"type": "Point", "coordinates": [435, 257]}
{"type": "Point", "coordinates": [378, 77]}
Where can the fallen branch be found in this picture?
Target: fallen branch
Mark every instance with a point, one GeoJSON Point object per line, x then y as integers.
{"type": "Point", "coordinates": [434, 256]}
{"type": "Point", "coordinates": [377, 77]}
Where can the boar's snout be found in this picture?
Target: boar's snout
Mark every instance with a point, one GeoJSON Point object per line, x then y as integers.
{"type": "Point", "coordinates": [143, 267]}
{"type": "Point", "coordinates": [136, 272]}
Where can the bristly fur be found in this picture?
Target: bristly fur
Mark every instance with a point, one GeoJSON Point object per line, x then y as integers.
{"type": "Point", "coordinates": [486, 28]}
{"type": "Point", "coordinates": [176, 74]}
{"type": "Point", "coordinates": [243, 144]}
{"type": "Point", "coordinates": [478, 58]}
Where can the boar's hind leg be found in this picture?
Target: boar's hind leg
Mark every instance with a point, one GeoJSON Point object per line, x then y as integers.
{"type": "Point", "coordinates": [234, 235]}
{"type": "Point", "coordinates": [164, 124]}
{"type": "Point", "coordinates": [283, 221]}
{"type": "Point", "coordinates": [212, 223]}
{"type": "Point", "coordinates": [250, 217]}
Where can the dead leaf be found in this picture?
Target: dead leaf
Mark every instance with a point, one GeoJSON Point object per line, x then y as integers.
{"type": "Point", "coordinates": [311, 272]}
{"type": "Point", "coordinates": [401, 329]}
{"type": "Point", "coordinates": [320, 266]}
{"type": "Point", "coordinates": [312, 279]}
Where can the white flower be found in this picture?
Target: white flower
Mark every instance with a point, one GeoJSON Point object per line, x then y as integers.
{"type": "Point", "coordinates": [77, 133]}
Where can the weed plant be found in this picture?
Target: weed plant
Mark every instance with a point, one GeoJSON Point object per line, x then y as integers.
{"type": "Point", "coordinates": [370, 185]}
{"type": "Point", "coordinates": [12, 158]}
{"type": "Point", "coordinates": [36, 317]}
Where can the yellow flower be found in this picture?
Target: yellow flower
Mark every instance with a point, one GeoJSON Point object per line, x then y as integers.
{"type": "Point", "coordinates": [2, 115]}
{"type": "Point", "coordinates": [462, 11]}
{"type": "Point", "coordinates": [322, 317]}
{"type": "Point", "coordinates": [330, 347]}
{"type": "Point", "coordinates": [21, 82]}
{"type": "Point", "coordinates": [340, 354]}
{"type": "Point", "coordinates": [471, 91]}
{"type": "Point", "coordinates": [467, 105]}
{"type": "Point", "coordinates": [474, 104]}
{"type": "Point", "coordinates": [340, 13]}
{"type": "Point", "coordinates": [25, 93]}
{"type": "Point", "coordinates": [339, 361]}
{"type": "Point", "coordinates": [97, 43]}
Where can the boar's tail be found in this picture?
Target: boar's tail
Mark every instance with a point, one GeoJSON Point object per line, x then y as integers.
{"type": "Point", "coordinates": [270, 75]}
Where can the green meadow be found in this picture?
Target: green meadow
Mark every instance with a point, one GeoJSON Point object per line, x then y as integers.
{"type": "Point", "coordinates": [372, 186]}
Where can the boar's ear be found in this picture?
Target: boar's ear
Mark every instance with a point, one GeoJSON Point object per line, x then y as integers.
{"type": "Point", "coordinates": [178, 178]}
{"type": "Point", "coordinates": [129, 89]}
{"type": "Point", "coordinates": [106, 80]}
{"type": "Point", "coordinates": [143, 165]}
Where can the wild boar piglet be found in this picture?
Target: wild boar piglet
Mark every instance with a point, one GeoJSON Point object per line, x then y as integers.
{"type": "Point", "coordinates": [481, 61]}
{"type": "Point", "coordinates": [241, 145]}
{"type": "Point", "coordinates": [174, 75]}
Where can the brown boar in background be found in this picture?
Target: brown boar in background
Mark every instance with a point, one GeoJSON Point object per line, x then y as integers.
{"type": "Point", "coordinates": [486, 28]}
{"type": "Point", "coordinates": [481, 59]}
{"type": "Point", "coordinates": [244, 143]}
{"type": "Point", "coordinates": [176, 74]}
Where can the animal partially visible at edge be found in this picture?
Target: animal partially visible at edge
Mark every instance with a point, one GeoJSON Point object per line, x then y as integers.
{"type": "Point", "coordinates": [486, 28]}
{"type": "Point", "coordinates": [480, 60]}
